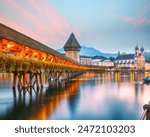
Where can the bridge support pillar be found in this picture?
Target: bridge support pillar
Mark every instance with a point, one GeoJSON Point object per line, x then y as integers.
{"type": "Point", "coordinates": [69, 74]}
{"type": "Point", "coordinates": [49, 77]}
{"type": "Point", "coordinates": [24, 81]}
{"type": "Point", "coordinates": [58, 75]}
{"type": "Point", "coordinates": [14, 80]}
{"type": "Point", "coordinates": [19, 80]}
{"type": "Point", "coordinates": [30, 79]}
{"type": "Point", "coordinates": [63, 75]}
{"type": "Point", "coordinates": [37, 80]}
{"type": "Point", "coordinates": [40, 77]}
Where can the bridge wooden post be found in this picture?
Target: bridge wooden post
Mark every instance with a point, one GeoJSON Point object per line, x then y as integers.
{"type": "Point", "coordinates": [36, 80]}
{"type": "Point", "coordinates": [58, 75]}
{"type": "Point", "coordinates": [48, 77]}
{"type": "Point", "coordinates": [19, 80]}
{"type": "Point", "coordinates": [41, 81]}
{"type": "Point", "coordinates": [30, 79]}
{"type": "Point", "coordinates": [24, 80]}
{"type": "Point", "coordinates": [14, 80]}
{"type": "Point", "coordinates": [63, 75]}
{"type": "Point", "coordinates": [30, 82]}
{"type": "Point", "coordinates": [55, 76]}
{"type": "Point", "coordinates": [69, 75]}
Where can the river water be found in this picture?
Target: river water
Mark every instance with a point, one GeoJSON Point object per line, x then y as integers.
{"type": "Point", "coordinates": [90, 96]}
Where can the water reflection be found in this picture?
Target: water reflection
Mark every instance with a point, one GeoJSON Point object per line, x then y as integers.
{"type": "Point", "coordinates": [89, 96]}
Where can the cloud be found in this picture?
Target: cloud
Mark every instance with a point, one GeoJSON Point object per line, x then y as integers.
{"type": "Point", "coordinates": [37, 19]}
{"type": "Point", "coordinates": [134, 21]}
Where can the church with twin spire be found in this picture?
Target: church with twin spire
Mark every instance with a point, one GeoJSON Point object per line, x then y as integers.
{"type": "Point", "coordinates": [135, 61]}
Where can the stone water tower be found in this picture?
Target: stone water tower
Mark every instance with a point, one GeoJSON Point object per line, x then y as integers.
{"type": "Point", "coordinates": [72, 48]}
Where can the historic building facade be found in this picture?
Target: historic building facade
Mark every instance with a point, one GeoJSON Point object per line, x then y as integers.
{"type": "Point", "coordinates": [72, 48]}
{"type": "Point", "coordinates": [96, 61]}
{"type": "Point", "coordinates": [133, 61]}
{"type": "Point", "coordinates": [86, 60]}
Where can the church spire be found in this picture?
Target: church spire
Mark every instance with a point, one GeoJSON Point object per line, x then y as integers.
{"type": "Point", "coordinates": [136, 47]}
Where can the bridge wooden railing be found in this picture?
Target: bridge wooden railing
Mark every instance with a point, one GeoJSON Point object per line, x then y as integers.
{"type": "Point", "coordinates": [14, 63]}
{"type": "Point", "coordinates": [146, 113]}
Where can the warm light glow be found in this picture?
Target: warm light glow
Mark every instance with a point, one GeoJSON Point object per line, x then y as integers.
{"type": "Point", "coordinates": [50, 106]}
{"type": "Point", "coordinates": [35, 53]}
{"type": "Point", "coordinates": [10, 45]}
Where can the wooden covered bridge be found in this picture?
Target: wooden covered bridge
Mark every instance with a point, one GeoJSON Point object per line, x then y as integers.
{"type": "Point", "coordinates": [22, 56]}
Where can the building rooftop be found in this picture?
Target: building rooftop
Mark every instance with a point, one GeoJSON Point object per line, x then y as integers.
{"type": "Point", "coordinates": [72, 43]}
{"type": "Point", "coordinates": [126, 56]}
{"type": "Point", "coordinates": [82, 56]}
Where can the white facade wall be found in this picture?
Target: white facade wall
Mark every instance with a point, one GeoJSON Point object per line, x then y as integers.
{"type": "Point", "coordinates": [125, 63]}
{"type": "Point", "coordinates": [85, 61]}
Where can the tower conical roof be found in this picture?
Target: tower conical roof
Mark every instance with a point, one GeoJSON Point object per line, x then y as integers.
{"type": "Point", "coordinates": [72, 44]}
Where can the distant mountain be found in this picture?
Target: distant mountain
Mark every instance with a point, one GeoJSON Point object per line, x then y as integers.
{"type": "Point", "coordinates": [90, 51]}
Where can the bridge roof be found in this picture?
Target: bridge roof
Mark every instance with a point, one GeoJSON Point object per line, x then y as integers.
{"type": "Point", "coordinates": [15, 36]}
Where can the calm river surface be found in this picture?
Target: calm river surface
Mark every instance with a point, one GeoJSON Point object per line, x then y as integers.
{"type": "Point", "coordinates": [102, 96]}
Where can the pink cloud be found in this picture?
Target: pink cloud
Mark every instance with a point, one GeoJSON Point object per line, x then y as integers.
{"type": "Point", "coordinates": [12, 24]}
{"type": "Point", "coordinates": [38, 20]}
{"type": "Point", "coordinates": [134, 21]}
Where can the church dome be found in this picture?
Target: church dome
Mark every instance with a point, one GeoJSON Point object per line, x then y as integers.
{"type": "Point", "coordinates": [136, 48]}
{"type": "Point", "coordinates": [142, 49]}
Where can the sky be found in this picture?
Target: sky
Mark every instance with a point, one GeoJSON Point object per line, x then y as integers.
{"type": "Point", "coordinates": [107, 25]}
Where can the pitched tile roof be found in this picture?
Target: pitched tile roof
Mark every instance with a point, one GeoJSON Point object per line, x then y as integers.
{"type": "Point", "coordinates": [125, 57]}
